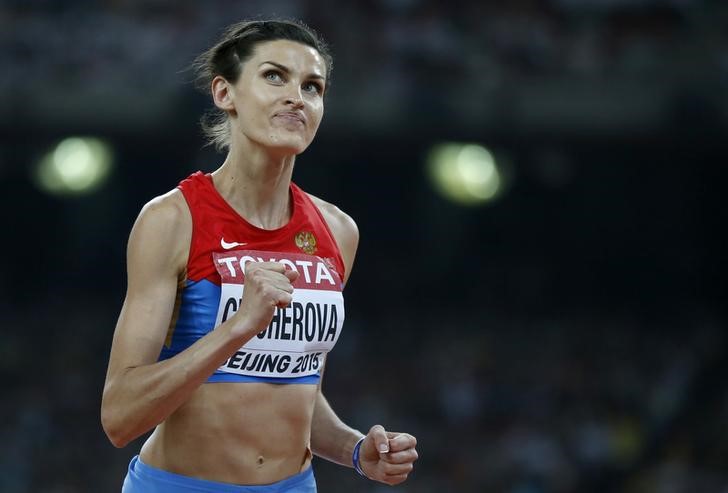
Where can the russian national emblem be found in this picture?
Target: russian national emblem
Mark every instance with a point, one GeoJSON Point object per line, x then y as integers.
{"type": "Point", "coordinates": [306, 241]}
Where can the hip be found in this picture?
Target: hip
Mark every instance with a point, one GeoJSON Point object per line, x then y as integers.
{"type": "Point", "coordinates": [143, 478]}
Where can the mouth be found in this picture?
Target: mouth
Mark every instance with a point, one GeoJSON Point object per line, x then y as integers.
{"type": "Point", "coordinates": [291, 117]}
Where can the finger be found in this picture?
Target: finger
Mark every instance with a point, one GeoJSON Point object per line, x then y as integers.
{"type": "Point", "coordinates": [403, 457]}
{"type": "Point", "coordinates": [258, 273]}
{"type": "Point", "coordinates": [283, 299]}
{"type": "Point", "coordinates": [392, 480]}
{"type": "Point", "coordinates": [270, 284]}
{"type": "Point", "coordinates": [286, 287]}
{"type": "Point", "coordinates": [278, 271]}
{"type": "Point", "coordinates": [279, 281]}
{"type": "Point", "coordinates": [401, 441]}
{"type": "Point", "coordinates": [379, 438]}
{"type": "Point", "coordinates": [273, 266]}
{"type": "Point", "coordinates": [397, 469]}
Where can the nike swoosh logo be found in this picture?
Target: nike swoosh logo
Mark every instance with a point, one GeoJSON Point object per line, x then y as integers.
{"type": "Point", "coordinates": [232, 244]}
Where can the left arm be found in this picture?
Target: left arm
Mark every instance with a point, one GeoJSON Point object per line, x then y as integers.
{"type": "Point", "coordinates": [330, 437]}
{"type": "Point", "coordinates": [384, 456]}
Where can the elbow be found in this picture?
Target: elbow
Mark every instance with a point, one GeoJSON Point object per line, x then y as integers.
{"type": "Point", "coordinates": [117, 441]}
{"type": "Point", "coordinates": [113, 426]}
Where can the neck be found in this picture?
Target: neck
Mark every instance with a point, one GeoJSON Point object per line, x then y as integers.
{"type": "Point", "coordinates": [256, 183]}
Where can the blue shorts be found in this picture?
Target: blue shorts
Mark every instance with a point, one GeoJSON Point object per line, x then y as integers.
{"type": "Point", "coordinates": [143, 478]}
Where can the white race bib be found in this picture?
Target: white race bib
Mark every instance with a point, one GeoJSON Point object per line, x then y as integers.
{"type": "Point", "coordinates": [299, 336]}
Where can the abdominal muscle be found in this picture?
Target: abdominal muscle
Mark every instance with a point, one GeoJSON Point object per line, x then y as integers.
{"type": "Point", "coordinates": [239, 433]}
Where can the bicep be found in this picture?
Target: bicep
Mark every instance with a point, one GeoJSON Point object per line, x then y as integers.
{"type": "Point", "coordinates": [156, 255]}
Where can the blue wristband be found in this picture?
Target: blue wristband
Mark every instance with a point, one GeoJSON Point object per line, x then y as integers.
{"type": "Point", "coordinates": [355, 457]}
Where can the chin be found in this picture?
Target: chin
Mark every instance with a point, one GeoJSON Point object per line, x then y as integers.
{"type": "Point", "coordinates": [288, 146]}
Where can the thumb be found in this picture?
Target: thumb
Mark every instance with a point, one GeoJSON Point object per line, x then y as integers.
{"type": "Point", "coordinates": [379, 438]}
{"type": "Point", "coordinates": [292, 275]}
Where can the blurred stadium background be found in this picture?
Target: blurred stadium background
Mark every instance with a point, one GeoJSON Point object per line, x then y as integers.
{"type": "Point", "coordinates": [566, 334]}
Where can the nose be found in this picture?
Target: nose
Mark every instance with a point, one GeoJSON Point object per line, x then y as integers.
{"type": "Point", "coordinates": [295, 101]}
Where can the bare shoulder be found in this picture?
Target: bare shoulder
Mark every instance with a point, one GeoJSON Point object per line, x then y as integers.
{"type": "Point", "coordinates": [343, 227]}
{"type": "Point", "coordinates": [340, 223]}
{"type": "Point", "coordinates": [164, 227]}
{"type": "Point", "coordinates": [170, 206]}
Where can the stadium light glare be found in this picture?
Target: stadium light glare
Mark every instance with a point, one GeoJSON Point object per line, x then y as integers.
{"type": "Point", "coordinates": [77, 165]}
{"type": "Point", "coordinates": [466, 174]}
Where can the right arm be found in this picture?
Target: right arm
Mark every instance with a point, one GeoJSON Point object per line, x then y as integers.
{"type": "Point", "coordinates": [141, 392]}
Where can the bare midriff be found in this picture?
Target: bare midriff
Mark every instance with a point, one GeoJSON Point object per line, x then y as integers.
{"type": "Point", "coordinates": [239, 433]}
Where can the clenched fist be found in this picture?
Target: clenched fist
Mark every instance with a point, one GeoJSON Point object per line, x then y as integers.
{"type": "Point", "coordinates": [388, 457]}
{"type": "Point", "coordinates": [268, 285]}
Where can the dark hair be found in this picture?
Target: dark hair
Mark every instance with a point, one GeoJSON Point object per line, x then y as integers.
{"type": "Point", "coordinates": [233, 49]}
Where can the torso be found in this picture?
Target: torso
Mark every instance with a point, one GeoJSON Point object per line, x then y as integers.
{"type": "Point", "coordinates": [239, 433]}
{"type": "Point", "coordinates": [242, 429]}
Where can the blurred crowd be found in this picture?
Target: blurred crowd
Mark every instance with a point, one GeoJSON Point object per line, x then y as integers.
{"type": "Point", "coordinates": [460, 59]}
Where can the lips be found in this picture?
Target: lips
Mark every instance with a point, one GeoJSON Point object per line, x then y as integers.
{"type": "Point", "coordinates": [292, 116]}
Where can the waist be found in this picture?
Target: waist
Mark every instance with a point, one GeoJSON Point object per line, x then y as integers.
{"type": "Point", "coordinates": [256, 433]}
{"type": "Point", "coordinates": [142, 475]}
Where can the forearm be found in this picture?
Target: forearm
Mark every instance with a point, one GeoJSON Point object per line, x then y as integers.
{"type": "Point", "coordinates": [331, 439]}
{"type": "Point", "coordinates": [137, 399]}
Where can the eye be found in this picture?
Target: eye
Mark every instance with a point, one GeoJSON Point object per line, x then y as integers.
{"type": "Point", "coordinates": [313, 87]}
{"type": "Point", "coordinates": [273, 76]}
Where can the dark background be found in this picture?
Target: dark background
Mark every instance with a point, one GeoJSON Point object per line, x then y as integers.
{"type": "Point", "coordinates": [567, 337]}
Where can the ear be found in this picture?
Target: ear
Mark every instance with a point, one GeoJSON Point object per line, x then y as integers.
{"type": "Point", "coordinates": [222, 94]}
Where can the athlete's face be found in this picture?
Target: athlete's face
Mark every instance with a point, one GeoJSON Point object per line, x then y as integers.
{"type": "Point", "coordinates": [277, 101]}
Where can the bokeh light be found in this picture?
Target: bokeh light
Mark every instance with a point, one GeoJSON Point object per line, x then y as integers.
{"type": "Point", "coordinates": [77, 165]}
{"type": "Point", "coordinates": [466, 174]}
